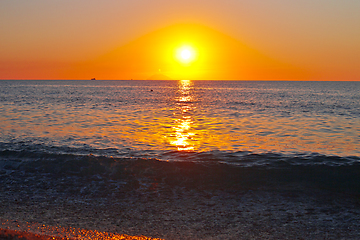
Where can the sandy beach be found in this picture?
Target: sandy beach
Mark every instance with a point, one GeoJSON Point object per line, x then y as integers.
{"type": "Point", "coordinates": [7, 234]}
{"type": "Point", "coordinates": [258, 214]}
{"type": "Point", "coordinates": [13, 234]}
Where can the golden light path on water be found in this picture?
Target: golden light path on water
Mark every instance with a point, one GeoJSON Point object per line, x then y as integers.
{"type": "Point", "coordinates": [183, 126]}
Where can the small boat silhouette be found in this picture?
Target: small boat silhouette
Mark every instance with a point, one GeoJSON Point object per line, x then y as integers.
{"type": "Point", "coordinates": [93, 79]}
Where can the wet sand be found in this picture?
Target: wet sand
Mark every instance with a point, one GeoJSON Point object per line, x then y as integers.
{"type": "Point", "coordinates": [253, 214]}
{"type": "Point", "coordinates": [13, 234]}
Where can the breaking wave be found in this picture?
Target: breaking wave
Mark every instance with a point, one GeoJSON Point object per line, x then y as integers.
{"type": "Point", "coordinates": [104, 176]}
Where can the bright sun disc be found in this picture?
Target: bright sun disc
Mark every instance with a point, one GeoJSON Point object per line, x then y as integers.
{"type": "Point", "coordinates": [185, 54]}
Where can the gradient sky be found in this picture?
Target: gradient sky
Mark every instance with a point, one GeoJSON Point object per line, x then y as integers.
{"type": "Point", "coordinates": [273, 39]}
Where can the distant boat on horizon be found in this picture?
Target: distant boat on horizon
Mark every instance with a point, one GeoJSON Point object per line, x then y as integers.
{"type": "Point", "coordinates": [93, 79]}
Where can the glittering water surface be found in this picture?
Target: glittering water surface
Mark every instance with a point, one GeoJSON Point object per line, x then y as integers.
{"type": "Point", "coordinates": [157, 117]}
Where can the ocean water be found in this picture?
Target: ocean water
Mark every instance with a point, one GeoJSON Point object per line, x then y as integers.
{"type": "Point", "coordinates": [161, 118]}
{"type": "Point", "coordinates": [272, 125]}
{"type": "Point", "coordinates": [109, 139]}
{"type": "Point", "coordinates": [242, 123]}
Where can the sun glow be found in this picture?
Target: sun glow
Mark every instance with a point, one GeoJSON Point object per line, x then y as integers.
{"type": "Point", "coordinates": [184, 51]}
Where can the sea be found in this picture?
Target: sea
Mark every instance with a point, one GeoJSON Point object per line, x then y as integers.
{"type": "Point", "coordinates": [106, 139]}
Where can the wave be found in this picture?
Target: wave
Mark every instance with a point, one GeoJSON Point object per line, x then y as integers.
{"type": "Point", "coordinates": [207, 171]}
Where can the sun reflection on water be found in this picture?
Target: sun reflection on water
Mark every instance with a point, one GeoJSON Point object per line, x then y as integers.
{"type": "Point", "coordinates": [184, 121]}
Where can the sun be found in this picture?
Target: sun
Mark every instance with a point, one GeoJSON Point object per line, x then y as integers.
{"type": "Point", "coordinates": [185, 54]}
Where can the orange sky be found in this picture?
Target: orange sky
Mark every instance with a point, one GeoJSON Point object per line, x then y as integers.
{"type": "Point", "coordinates": [233, 39]}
